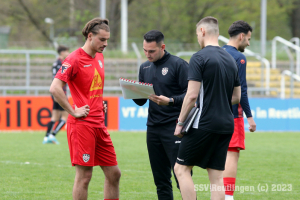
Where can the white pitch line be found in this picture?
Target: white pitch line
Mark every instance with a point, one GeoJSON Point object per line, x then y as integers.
{"type": "Point", "coordinates": [30, 163]}
{"type": "Point", "coordinates": [53, 192]}
{"type": "Point", "coordinates": [69, 166]}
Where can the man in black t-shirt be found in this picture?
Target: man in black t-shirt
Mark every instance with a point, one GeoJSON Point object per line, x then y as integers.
{"type": "Point", "coordinates": [213, 80]}
{"type": "Point", "coordinates": [58, 113]}
{"type": "Point", "coordinates": [168, 74]}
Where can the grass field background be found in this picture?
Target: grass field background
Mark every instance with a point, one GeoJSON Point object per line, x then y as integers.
{"type": "Point", "coordinates": [31, 170]}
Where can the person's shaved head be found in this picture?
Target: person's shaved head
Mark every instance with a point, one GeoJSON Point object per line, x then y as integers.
{"type": "Point", "coordinates": [207, 31]}
{"type": "Point", "coordinates": [210, 24]}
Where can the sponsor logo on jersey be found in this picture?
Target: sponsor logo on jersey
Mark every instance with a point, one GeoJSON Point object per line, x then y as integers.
{"type": "Point", "coordinates": [243, 61]}
{"type": "Point", "coordinates": [96, 95]}
{"type": "Point", "coordinates": [86, 157]}
{"type": "Point", "coordinates": [164, 71]}
{"type": "Point", "coordinates": [97, 81]}
{"type": "Point", "coordinates": [100, 63]}
{"type": "Point", "coordinates": [87, 65]}
{"type": "Point", "coordinates": [147, 67]}
{"type": "Point", "coordinates": [64, 67]}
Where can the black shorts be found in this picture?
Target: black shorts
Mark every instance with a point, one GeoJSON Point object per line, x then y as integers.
{"type": "Point", "coordinates": [56, 105]}
{"type": "Point", "coordinates": [204, 149]}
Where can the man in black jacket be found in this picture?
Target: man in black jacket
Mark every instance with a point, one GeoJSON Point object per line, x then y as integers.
{"type": "Point", "coordinates": [168, 74]}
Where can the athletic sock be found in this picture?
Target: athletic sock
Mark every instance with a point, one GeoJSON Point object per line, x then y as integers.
{"type": "Point", "coordinates": [49, 127]}
{"type": "Point", "coordinates": [229, 184]}
{"type": "Point", "coordinates": [60, 124]}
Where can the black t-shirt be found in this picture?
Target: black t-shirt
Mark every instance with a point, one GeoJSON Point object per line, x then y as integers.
{"type": "Point", "coordinates": [169, 78]}
{"type": "Point", "coordinates": [55, 67]}
{"type": "Point", "coordinates": [218, 73]}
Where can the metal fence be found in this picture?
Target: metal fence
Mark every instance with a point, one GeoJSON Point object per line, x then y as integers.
{"type": "Point", "coordinates": [29, 72]}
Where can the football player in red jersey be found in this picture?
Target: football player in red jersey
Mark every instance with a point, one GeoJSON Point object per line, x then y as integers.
{"type": "Point", "coordinates": [89, 142]}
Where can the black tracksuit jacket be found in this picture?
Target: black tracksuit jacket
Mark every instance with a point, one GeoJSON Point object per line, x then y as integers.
{"type": "Point", "coordinates": [169, 78]}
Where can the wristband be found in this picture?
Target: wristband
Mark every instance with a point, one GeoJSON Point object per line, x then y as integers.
{"type": "Point", "coordinates": [179, 122]}
{"type": "Point", "coordinates": [171, 102]}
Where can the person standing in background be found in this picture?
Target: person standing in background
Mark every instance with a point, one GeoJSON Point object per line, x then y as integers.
{"type": "Point", "coordinates": [240, 35]}
{"type": "Point", "coordinates": [58, 113]}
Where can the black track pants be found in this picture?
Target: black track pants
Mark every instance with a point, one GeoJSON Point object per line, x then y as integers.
{"type": "Point", "coordinates": [162, 149]}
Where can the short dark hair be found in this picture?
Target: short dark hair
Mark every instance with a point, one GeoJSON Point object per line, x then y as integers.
{"type": "Point", "coordinates": [239, 27]}
{"type": "Point", "coordinates": [94, 26]}
{"type": "Point", "coordinates": [61, 48]}
{"type": "Point", "coordinates": [154, 35]}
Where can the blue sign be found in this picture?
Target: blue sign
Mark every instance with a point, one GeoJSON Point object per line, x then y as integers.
{"type": "Point", "coordinates": [268, 114]}
{"type": "Point", "coordinates": [132, 116]}
{"type": "Point", "coordinates": [275, 114]}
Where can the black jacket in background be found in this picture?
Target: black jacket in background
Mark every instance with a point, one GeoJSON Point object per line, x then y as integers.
{"type": "Point", "coordinates": [173, 85]}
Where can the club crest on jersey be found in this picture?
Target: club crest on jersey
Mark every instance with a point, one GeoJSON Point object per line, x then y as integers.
{"type": "Point", "coordinates": [164, 71]}
{"type": "Point", "coordinates": [100, 63]}
{"type": "Point", "coordinates": [86, 157]}
{"type": "Point", "coordinates": [64, 67]}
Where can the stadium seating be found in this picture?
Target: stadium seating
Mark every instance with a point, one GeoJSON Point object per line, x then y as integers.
{"type": "Point", "coordinates": [254, 77]}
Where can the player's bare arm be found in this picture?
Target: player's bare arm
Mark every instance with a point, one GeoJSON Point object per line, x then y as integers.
{"type": "Point", "coordinates": [56, 89]}
{"type": "Point", "coordinates": [252, 125]}
{"type": "Point", "coordinates": [160, 100]}
{"type": "Point", "coordinates": [188, 103]}
{"type": "Point", "coordinates": [236, 95]}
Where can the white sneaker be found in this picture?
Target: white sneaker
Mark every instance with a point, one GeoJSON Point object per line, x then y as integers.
{"type": "Point", "coordinates": [53, 139]}
{"type": "Point", "coordinates": [45, 140]}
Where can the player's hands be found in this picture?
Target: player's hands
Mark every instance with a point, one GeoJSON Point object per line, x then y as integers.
{"type": "Point", "coordinates": [177, 132]}
{"type": "Point", "coordinates": [82, 111]}
{"type": "Point", "coordinates": [159, 100]}
{"type": "Point", "coordinates": [252, 125]}
{"type": "Point", "coordinates": [104, 107]}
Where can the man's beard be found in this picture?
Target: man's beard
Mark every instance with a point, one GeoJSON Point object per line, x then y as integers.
{"type": "Point", "coordinates": [241, 49]}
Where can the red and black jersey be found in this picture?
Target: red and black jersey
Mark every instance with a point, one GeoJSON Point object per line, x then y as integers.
{"type": "Point", "coordinates": [55, 67]}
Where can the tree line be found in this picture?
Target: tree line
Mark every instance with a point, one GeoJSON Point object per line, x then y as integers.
{"type": "Point", "coordinates": [175, 18]}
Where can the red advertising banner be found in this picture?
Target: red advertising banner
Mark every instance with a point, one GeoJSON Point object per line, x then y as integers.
{"type": "Point", "coordinates": [34, 112]}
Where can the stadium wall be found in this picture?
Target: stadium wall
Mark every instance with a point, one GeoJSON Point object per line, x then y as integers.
{"type": "Point", "coordinates": [34, 112]}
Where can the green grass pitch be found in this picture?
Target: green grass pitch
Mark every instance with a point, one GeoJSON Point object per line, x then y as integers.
{"type": "Point", "coordinates": [268, 169]}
